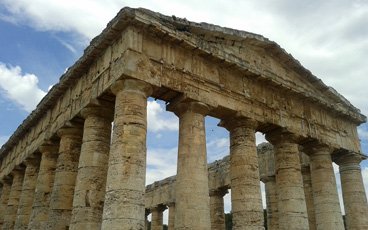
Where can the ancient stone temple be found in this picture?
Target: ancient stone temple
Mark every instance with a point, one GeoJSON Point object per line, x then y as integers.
{"type": "Point", "coordinates": [63, 168]}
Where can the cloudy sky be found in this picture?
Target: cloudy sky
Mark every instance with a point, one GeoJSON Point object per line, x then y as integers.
{"type": "Point", "coordinates": [39, 39]}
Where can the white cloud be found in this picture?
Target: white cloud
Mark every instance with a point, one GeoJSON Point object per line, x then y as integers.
{"type": "Point", "coordinates": [160, 120]}
{"type": "Point", "coordinates": [20, 88]}
{"type": "Point", "coordinates": [161, 163]}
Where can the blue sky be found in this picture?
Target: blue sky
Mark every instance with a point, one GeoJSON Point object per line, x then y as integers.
{"type": "Point", "coordinates": [39, 39]}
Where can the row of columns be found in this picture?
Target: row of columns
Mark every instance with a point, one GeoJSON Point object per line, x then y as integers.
{"type": "Point", "coordinates": [71, 187]}
{"type": "Point", "coordinates": [305, 197]}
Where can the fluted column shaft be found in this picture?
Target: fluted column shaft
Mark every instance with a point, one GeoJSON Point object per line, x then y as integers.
{"type": "Point", "coordinates": [44, 184]}
{"type": "Point", "coordinates": [5, 191]}
{"type": "Point", "coordinates": [326, 201]}
{"type": "Point", "coordinates": [13, 201]}
{"type": "Point", "coordinates": [292, 207]}
{"type": "Point", "coordinates": [157, 218]}
{"type": "Point", "coordinates": [353, 192]}
{"type": "Point", "coordinates": [271, 203]}
{"type": "Point", "coordinates": [124, 206]}
{"type": "Point", "coordinates": [246, 199]}
{"type": "Point", "coordinates": [28, 189]}
{"type": "Point", "coordinates": [90, 186]}
{"type": "Point", "coordinates": [217, 209]}
{"type": "Point", "coordinates": [171, 224]}
{"type": "Point", "coordinates": [192, 198]}
{"type": "Point", "coordinates": [61, 201]}
{"type": "Point", "coordinates": [308, 192]}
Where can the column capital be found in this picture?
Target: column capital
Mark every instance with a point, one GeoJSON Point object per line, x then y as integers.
{"type": "Point", "coordinates": [6, 180]}
{"type": "Point", "coordinates": [218, 192]}
{"type": "Point", "coordinates": [235, 122]}
{"type": "Point", "coordinates": [315, 148]}
{"type": "Point", "coordinates": [135, 85]}
{"type": "Point", "coordinates": [158, 208]}
{"type": "Point", "coordinates": [268, 178]}
{"type": "Point", "coordinates": [105, 110]}
{"type": "Point", "coordinates": [170, 204]}
{"type": "Point", "coordinates": [17, 172]}
{"type": "Point", "coordinates": [279, 136]}
{"type": "Point", "coordinates": [48, 147]}
{"type": "Point", "coordinates": [33, 162]}
{"type": "Point", "coordinates": [181, 107]}
{"type": "Point", "coordinates": [70, 131]}
{"type": "Point", "coordinates": [349, 160]}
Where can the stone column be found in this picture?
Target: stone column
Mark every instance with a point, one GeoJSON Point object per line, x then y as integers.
{"type": "Point", "coordinates": [147, 212]}
{"type": "Point", "coordinates": [353, 192]}
{"type": "Point", "coordinates": [13, 201]}
{"type": "Point", "coordinates": [61, 201]}
{"type": "Point", "coordinates": [217, 209]}
{"type": "Point", "coordinates": [292, 208]}
{"type": "Point", "coordinates": [192, 198]}
{"type": "Point", "coordinates": [5, 191]}
{"type": "Point", "coordinates": [125, 186]}
{"type": "Point", "coordinates": [326, 201]}
{"type": "Point", "coordinates": [90, 186]}
{"type": "Point", "coordinates": [28, 190]}
{"type": "Point", "coordinates": [246, 199]}
{"type": "Point", "coordinates": [171, 216]}
{"type": "Point", "coordinates": [157, 217]}
{"type": "Point", "coordinates": [44, 184]}
{"type": "Point", "coordinates": [308, 192]}
{"type": "Point", "coordinates": [271, 203]}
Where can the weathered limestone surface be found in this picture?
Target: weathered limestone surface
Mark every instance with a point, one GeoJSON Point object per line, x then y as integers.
{"type": "Point", "coordinates": [292, 209]}
{"type": "Point", "coordinates": [272, 203]}
{"type": "Point", "coordinates": [246, 197]}
{"type": "Point", "coordinates": [90, 185]}
{"type": "Point", "coordinates": [266, 159]}
{"type": "Point", "coordinates": [171, 220]}
{"type": "Point", "coordinates": [61, 201]}
{"type": "Point", "coordinates": [308, 192]}
{"type": "Point", "coordinates": [5, 191]}
{"type": "Point", "coordinates": [237, 75]}
{"type": "Point", "coordinates": [125, 186]}
{"type": "Point", "coordinates": [192, 200]}
{"type": "Point", "coordinates": [217, 209]}
{"type": "Point", "coordinates": [13, 201]}
{"type": "Point", "coordinates": [157, 217]}
{"type": "Point", "coordinates": [353, 193]}
{"type": "Point", "coordinates": [44, 185]}
{"type": "Point", "coordinates": [326, 201]}
{"type": "Point", "coordinates": [28, 190]}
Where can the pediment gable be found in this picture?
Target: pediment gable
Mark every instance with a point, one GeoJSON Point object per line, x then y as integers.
{"type": "Point", "coordinates": [251, 53]}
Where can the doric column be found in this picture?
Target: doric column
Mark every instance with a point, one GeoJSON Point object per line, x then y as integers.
{"type": "Point", "coordinates": [28, 189]}
{"type": "Point", "coordinates": [246, 199]}
{"type": "Point", "coordinates": [271, 203]}
{"type": "Point", "coordinates": [217, 209]}
{"type": "Point", "coordinates": [308, 192]}
{"type": "Point", "coordinates": [44, 184]}
{"type": "Point", "coordinates": [125, 186]}
{"type": "Point", "coordinates": [157, 217]}
{"type": "Point", "coordinates": [171, 216]}
{"type": "Point", "coordinates": [13, 201]}
{"type": "Point", "coordinates": [353, 193]}
{"type": "Point", "coordinates": [192, 198]}
{"type": "Point", "coordinates": [147, 224]}
{"type": "Point", "coordinates": [61, 201]}
{"type": "Point", "coordinates": [292, 207]}
{"type": "Point", "coordinates": [5, 191]}
{"type": "Point", "coordinates": [326, 201]}
{"type": "Point", "coordinates": [90, 186]}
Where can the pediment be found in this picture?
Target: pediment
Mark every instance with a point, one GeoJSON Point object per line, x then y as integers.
{"type": "Point", "coordinates": [248, 52]}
